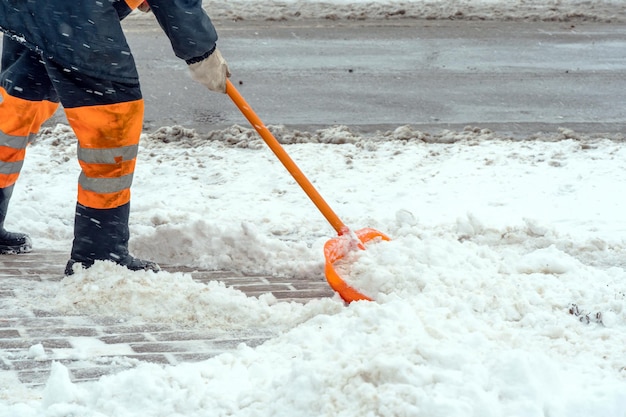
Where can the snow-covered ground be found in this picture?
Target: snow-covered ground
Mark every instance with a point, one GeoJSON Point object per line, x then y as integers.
{"type": "Point", "coordinates": [501, 293]}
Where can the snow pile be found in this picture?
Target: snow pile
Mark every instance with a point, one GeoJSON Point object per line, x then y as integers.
{"type": "Point", "coordinates": [501, 292]}
{"type": "Point", "coordinates": [110, 291]}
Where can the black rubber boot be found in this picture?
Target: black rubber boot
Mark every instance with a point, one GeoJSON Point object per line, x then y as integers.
{"type": "Point", "coordinates": [102, 234]}
{"type": "Point", "coordinates": [11, 242]}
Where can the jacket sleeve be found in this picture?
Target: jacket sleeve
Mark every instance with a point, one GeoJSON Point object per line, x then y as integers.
{"type": "Point", "coordinates": [187, 25]}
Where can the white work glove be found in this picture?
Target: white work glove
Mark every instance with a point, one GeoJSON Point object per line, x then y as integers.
{"type": "Point", "coordinates": [211, 72]}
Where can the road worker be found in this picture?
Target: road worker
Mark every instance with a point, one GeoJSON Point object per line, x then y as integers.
{"type": "Point", "coordinates": [75, 53]}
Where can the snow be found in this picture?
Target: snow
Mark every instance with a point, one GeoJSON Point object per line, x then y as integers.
{"type": "Point", "coordinates": [501, 293]}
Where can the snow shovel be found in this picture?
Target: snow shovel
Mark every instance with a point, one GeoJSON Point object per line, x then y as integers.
{"type": "Point", "coordinates": [336, 248]}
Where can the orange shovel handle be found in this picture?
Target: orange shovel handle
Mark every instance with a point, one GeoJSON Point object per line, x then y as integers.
{"type": "Point", "coordinates": [286, 160]}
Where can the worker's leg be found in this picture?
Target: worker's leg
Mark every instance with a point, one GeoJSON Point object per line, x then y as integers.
{"type": "Point", "coordinates": [27, 99]}
{"type": "Point", "coordinates": [107, 118]}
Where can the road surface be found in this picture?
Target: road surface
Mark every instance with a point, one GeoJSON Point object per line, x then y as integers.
{"type": "Point", "coordinates": [514, 77]}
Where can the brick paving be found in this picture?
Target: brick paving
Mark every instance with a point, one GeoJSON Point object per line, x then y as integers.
{"type": "Point", "coordinates": [91, 347]}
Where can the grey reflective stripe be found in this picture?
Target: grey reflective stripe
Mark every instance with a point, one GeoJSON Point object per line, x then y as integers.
{"type": "Point", "coordinates": [11, 167]}
{"type": "Point", "coordinates": [15, 142]}
{"type": "Point", "coordinates": [105, 185]}
{"type": "Point", "coordinates": [107, 156]}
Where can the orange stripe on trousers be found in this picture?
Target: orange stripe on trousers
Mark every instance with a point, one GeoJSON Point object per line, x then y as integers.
{"type": "Point", "coordinates": [108, 170]}
{"type": "Point", "coordinates": [19, 117]}
{"type": "Point", "coordinates": [92, 199]}
{"type": "Point", "coordinates": [8, 154]}
{"type": "Point", "coordinates": [107, 126]}
{"type": "Point", "coordinates": [6, 180]}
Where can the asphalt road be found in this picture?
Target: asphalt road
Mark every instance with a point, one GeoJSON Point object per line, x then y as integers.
{"type": "Point", "coordinates": [515, 77]}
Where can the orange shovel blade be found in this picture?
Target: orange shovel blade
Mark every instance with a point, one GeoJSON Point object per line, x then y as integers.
{"type": "Point", "coordinates": [337, 248]}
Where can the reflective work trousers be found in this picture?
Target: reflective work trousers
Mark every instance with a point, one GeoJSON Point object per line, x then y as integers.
{"type": "Point", "coordinates": [106, 117]}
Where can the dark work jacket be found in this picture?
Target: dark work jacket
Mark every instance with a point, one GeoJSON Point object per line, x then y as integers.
{"type": "Point", "coordinates": [85, 35]}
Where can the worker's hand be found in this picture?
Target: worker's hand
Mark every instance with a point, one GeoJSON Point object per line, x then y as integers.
{"type": "Point", "coordinates": [211, 72]}
{"type": "Point", "coordinates": [144, 7]}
